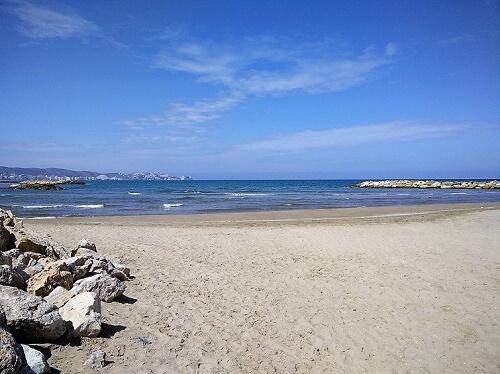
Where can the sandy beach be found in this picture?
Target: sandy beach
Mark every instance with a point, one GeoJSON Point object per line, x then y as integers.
{"type": "Point", "coordinates": [410, 289]}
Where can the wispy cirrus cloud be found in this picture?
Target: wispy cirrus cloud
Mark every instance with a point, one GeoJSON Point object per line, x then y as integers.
{"type": "Point", "coordinates": [357, 135]}
{"type": "Point", "coordinates": [186, 116]}
{"type": "Point", "coordinates": [268, 65]}
{"type": "Point", "coordinates": [41, 22]}
{"type": "Point", "coordinates": [260, 66]}
{"type": "Point", "coordinates": [458, 39]}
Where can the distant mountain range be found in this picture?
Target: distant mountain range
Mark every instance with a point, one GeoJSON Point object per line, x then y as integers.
{"type": "Point", "coordinates": [8, 173]}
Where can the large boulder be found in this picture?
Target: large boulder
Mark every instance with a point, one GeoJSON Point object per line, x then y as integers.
{"type": "Point", "coordinates": [78, 266]}
{"type": "Point", "coordinates": [35, 360]}
{"type": "Point", "coordinates": [12, 257]}
{"type": "Point", "coordinates": [30, 318]}
{"type": "Point", "coordinates": [105, 286]}
{"type": "Point", "coordinates": [84, 243]}
{"type": "Point", "coordinates": [7, 218]}
{"type": "Point", "coordinates": [30, 241]}
{"type": "Point", "coordinates": [26, 264]}
{"type": "Point", "coordinates": [59, 296]}
{"type": "Point", "coordinates": [10, 277]}
{"type": "Point", "coordinates": [6, 239]}
{"type": "Point", "coordinates": [5, 259]}
{"type": "Point", "coordinates": [44, 282]}
{"type": "Point", "coordinates": [124, 269]}
{"type": "Point", "coordinates": [11, 353]}
{"type": "Point", "coordinates": [100, 264]}
{"type": "Point", "coordinates": [84, 312]}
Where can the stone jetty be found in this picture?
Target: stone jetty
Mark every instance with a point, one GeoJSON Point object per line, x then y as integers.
{"type": "Point", "coordinates": [405, 183]}
{"type": "Point", "coordinates": [43, 185]}
{"type": "Point", "coordinates": [49, 293]}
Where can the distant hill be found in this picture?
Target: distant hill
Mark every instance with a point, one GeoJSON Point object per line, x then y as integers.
{"type": "Point", "coordinates": [56, 172]}
{"type": "Point", "coordinates": [8, 173]}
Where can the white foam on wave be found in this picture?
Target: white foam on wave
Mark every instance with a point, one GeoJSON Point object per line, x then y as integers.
{"type": "Point", "coordinates": [192, 191]}
{"type": "Point", "coordinates": [134, 193]}
{"type": "Point", "coordinates": [41, 206]}
{"type": "Point", "coordinates": [48, 217]}
{"type": "Point", "coordinates": [458, 193]}
{"type": "Point", "coordinates": [243, 194]}
{"type": "Point", "coordinates": [168, 206]}
{"type": "Point", "coordinates": [84, 206]}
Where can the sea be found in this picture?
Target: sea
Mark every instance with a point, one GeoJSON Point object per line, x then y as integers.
{"type": "Point", "coordinates": [110, 198]}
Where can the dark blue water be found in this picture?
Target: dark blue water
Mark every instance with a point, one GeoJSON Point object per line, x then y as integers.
{"type": "Point", "coordinates": [181, 197]}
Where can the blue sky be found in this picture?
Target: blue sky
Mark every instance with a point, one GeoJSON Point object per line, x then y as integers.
{"type": "Point", "coordinates": [269, 89]}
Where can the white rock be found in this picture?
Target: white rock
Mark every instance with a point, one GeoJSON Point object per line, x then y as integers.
{"type": "Point", "coordinates": [30, 318]}
{"type": "Point", "coordinates": [59, 296]}
{"type": "Point", "coordinates": [35, 360]}
{"type": "Point", "coordinates": [84, 312]}
{"type": "Point", "coordinates": [104, 285]}
{"type": "Point", "coordinates": [96, 360]}
{"type": "Point", "coordinates": [84, 243]}
{"type": "Point", "coordinates": [124, 269]}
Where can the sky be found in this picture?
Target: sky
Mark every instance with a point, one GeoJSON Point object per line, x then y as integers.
{"type": "Point", "coordinates": [253, 89]}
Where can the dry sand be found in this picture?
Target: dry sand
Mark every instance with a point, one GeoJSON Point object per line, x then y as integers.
{"type": "Point", "coordinates": [367, 290]}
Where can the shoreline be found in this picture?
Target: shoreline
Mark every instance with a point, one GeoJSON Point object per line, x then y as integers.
{"type": "Point", "coordinates": [392, 213]}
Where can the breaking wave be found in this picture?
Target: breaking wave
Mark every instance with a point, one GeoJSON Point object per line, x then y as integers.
{"type": "Point", "coordinates": [168, 206]}
{"type": "Point", "coordinates": [243, 194]}
{"type": "Point", "coordinates": [83, 206]}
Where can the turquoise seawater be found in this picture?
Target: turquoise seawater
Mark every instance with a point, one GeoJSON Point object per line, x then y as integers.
{"type": "Point", "coordinates": [186, 197]}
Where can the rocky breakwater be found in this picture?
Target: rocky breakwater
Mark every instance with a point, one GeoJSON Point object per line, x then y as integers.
{"type": "Point", "coordinates": [43, 185]}
{"type": "Point", "coordinates": [404, 183]}
{"type": "Point", "coordinates": [49, 293]}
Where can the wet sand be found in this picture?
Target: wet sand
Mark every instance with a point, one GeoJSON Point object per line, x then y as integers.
{"type": "Point", "coordinates": [363, 290]}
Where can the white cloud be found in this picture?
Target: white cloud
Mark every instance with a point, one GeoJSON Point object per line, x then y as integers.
{"type": "Point", "coordinates": [391, 49]}
{"type": "Point", "coordinates": [459, 39]}
{"type": "Point", "coordinates": [38, 22]}
{"type": "Point", "coordinates": [187, 116]}
{"type": "Point", "coordinates": [259, 66]}
{"type": "Point", "coordinates": [356, 135]}
{"type": "Point", "coordinates": [273, 65]}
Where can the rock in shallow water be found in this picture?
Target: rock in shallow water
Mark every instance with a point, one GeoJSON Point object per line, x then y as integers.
{"type": "Point", "coordinates": [30, 318]}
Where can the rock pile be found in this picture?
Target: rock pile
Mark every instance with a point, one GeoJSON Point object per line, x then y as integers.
{"type": "Point", "coordinates": [43, 185]}
{"type": "Point", "coordinates": [404, 183]}
{"type": "Point", "coordinates": [49, 293]}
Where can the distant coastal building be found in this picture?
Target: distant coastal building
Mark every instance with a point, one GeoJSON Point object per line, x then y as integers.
{"type": "Point", "coordinates": [22, 174]}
